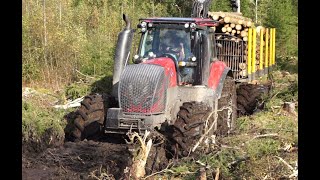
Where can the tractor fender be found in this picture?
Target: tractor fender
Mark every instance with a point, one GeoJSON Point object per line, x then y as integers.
{"type": "Point", "coordinates": [218, 73]}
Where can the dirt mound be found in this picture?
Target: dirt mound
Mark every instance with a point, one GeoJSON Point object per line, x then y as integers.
{"type": "Point", "coordinates": [33, 144]}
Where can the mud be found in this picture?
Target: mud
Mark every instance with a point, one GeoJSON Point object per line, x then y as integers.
{"type": "Point", "coordinates": [101, 158]}
{"type": "Point", "coordinates": [77, 160]}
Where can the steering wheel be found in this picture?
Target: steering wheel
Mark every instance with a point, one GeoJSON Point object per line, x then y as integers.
{"type": "Point", "coordinates": [171, 56]}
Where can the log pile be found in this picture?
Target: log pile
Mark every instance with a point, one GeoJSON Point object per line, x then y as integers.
{"type": "Point", "coordinates": [232, 23]}
{"type": "Point", "coordinates": [236, 25]}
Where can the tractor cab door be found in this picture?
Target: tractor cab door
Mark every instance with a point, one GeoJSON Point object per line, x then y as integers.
{"type": "Point", "coordinates": [204, 50]}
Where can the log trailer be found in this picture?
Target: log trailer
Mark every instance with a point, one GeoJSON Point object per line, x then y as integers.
{"type": "Point", "coordinates": [182, 98]}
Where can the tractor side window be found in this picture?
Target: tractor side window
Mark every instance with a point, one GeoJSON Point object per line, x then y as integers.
{"type": "Point", "coordinates": [147, 43]}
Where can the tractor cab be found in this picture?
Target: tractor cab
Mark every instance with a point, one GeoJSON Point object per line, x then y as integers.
{"type": "Point", "coordinates": [188, 42]}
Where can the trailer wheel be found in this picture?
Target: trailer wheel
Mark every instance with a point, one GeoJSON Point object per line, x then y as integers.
{"type": "Point", "coordinates": [249, 98]}
{"type": "Point", "coordinates": [89, 118]}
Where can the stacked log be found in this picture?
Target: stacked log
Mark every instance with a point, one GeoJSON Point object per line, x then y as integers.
{"type": "Point", "coordinates": [232, 23]}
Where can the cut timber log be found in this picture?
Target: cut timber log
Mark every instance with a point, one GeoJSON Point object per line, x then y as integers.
{"type": "Point", "coordinates": [243, 33]}
{"type": "Point", "coordinates": [238, 27]}
{"type": "Point", "coordinates": [242, 65]}
{"type": "Point", "coordinates": [227, 19]}
{"type": "Point", "coordinates": [215, 17]}
{"type": "Point", "coordinates": [248, 23]}
{"type": "Point", "coordinates": [224, 29]}
{"type": "Point", "coordinates": [229, 14]}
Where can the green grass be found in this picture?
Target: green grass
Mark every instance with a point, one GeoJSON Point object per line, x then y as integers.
{"type": "Point", "coordinates": [38, 115]}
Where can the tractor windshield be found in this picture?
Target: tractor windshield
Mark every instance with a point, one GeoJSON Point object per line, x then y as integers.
{"type": "Point", "coordinates": [157, 42]}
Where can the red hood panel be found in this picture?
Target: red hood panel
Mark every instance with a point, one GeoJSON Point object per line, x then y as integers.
{"type": "Point", "coordinates": [169, 66]}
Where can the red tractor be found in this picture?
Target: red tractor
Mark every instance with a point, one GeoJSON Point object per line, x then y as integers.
{"type": "Point", "coordinates": [176, 84]}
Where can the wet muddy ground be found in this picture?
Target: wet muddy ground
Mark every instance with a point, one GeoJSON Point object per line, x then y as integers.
{"type": "Point", "coordinates": [89, 159]}
{"type": "Point", "coordinates": [101, 158]}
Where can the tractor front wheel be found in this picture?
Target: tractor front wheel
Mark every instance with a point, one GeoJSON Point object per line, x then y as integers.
{"type": "Point", "coordinates": [89, 117]}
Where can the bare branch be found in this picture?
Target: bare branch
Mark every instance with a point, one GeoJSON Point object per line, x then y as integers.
{"type": "Point", "coordinates": [217, 174]}
{"type": "Point", "coordinates": [84, 74]}
{"type": "Point", "coordinates": [159, 172]}
{"type": "Point", "coordinates": [287, 164]}
{"type": "Point", "coordinates": [212, 125]}
{"type": "Point", "coordinates": [264, 135]}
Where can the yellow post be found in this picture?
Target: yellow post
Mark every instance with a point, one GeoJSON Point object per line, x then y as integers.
{"type": "Point", "coordinates": [271, 48]}
{"type": "Point", "coordinates": [274, 46]}
{"type": "Point", "coordinates": [254, 45]}
{"type": "Point", "coordinates": [261, 51]}
{"type": "Point", "coordinates": [249, 52]}
{"type": "Point", "coordinates": [266, 65]}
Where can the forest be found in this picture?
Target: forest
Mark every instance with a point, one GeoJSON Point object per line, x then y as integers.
{"type": "Point", "coordinates": [65, 37]}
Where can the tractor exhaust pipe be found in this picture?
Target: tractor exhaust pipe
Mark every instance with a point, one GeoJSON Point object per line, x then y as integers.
{"type": "Point", "coordinates": [122, 54]}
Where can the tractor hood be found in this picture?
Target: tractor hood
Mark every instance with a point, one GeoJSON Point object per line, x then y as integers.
{"type": "Point", "coordinates": [170, 68]}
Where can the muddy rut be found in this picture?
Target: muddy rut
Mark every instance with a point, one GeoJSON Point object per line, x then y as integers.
{"type": "Point", "coordinates": [81, 160]}
{"type": "Point", "coordinates": [101, 158]}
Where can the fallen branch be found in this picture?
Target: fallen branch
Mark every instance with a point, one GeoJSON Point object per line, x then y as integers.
{"type": "Point", "coordinates": [203, 174]}
{"type": "Point", "coordinates": [212, 125]}
{"type": "Point", "coordinates": [78, 157]}
{"type": "Point", "coordinates": [235, 162]}
{"type": "Point", "coordinates": [102, 176]}
{"type": "Point", "coordinates": [217, 174]}
{"type": "Point", "coordinates": [72, 104]}
{"type": "Point", "coordinates": [229, 147]}
{"type": "Point", "coordinates": [282, 160]}
{"type": "Point", "coordinates": [84, 74]}
{"type": "Point", "coordinates": [159, 172]}
{"type": "Point", "coordinates": [263, 136]}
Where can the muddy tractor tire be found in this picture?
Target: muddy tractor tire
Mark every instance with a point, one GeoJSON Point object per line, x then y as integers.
{"type": "Point", "coordinates": [249, 98]}
{"type": "Point", "coordinates": [191, 119]}
{"type": "Point", "coordinates": [227, 106]}
{"type": "Point", "coordinates": [187, 129]}
{"type": "Point", "coordinates": [89, 117]}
